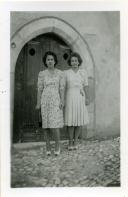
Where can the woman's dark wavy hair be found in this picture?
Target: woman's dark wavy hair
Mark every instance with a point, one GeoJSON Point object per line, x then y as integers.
{"type": "Point", "coordinates": [50, 53]}
{"type": "Point", "coordinates": [75, 55]}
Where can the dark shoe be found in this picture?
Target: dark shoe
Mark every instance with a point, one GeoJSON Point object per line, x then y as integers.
{"type": "Point", "coordinates": [56, 153]}
{"type": "Point", "coordinates": [75, 147]}
{"type": "Point", "coordinates": [48, 153]}
{"type": "Point", "coordinates": [70, 148]}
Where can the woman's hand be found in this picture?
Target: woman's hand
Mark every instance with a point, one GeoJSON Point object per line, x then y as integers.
{"type": "Point", "coordinates": [61, 105]}
{"type": "Point", "coordinates": [87, 101]}
{"type": "Point", "coordinates": [37, 107]}
{"type": "Point", "coordinates": [82, 92]}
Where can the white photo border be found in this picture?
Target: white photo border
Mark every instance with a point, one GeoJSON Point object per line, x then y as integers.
{"type": "Point", "coordinates": [5, 10]}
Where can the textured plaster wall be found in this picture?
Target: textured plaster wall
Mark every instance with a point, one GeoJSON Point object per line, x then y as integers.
{"type": "Point", "coordinates": [101, 31]}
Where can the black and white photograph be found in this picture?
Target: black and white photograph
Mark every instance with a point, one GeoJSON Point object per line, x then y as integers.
{"type": "Point", "coordinates": [65, 77]}
{"type": "Point", "coordinates": [65, 116]}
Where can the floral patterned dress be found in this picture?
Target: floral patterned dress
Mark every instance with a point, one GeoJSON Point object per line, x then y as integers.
{"type": "Point", "coordinates": [50, 86]}
{"type": "Point", "coordinates": [76, 113]}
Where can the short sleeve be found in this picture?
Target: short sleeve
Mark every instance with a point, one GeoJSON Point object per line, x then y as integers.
{"type": "Point", "coordinates": [62, 80]}
{"type": "Point", "coordinates": [40, 83]}
{"type": "Point", "coordinates": [84, 77]}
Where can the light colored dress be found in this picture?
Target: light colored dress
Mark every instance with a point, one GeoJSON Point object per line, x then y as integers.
{"type": "Point", "coordinates": [76, 113]}
{"type": "Point", "coordinates": [50, 85]}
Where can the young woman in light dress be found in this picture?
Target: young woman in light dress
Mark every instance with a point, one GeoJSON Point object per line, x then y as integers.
{"type": "Point", "coordinates": [50, 98]}
{"type": "Point", "coordinates": [76, 99]}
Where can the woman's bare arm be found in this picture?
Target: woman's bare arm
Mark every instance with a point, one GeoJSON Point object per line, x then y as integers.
{"type": "Point", "coordinates": [38, 105]}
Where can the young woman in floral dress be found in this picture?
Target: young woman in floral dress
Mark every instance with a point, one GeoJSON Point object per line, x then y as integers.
{"type": "Point", "coordinates": [50, 98]}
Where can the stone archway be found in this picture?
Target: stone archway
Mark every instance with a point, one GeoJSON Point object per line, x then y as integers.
{"type": "Point", "coordinates": [47, 25]}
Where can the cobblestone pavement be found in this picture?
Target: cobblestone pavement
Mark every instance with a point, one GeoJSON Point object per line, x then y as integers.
{"type": "Point", "coordinates": [95, 163]}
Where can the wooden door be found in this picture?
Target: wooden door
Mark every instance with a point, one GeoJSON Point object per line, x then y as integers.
{"type": "Point", "coordinates": [26, 73]}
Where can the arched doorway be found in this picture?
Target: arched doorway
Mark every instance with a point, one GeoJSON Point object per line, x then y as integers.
{"type": "Point", "coordinates": [28, 44]}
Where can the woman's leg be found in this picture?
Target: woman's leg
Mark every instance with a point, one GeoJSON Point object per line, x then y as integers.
{"type": "Point", "coordinates": [47, 139]}
{"type": "Point", "coordinates": [77, 133]}
{"type": "Point", "coordinates": [71, 135]}
{"type": "Point", "coordinates": [84, 133]}
{"type": "Point", "coordinates": [56, 133]}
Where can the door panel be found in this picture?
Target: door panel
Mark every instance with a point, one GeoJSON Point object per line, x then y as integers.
{"type": "Point", "coordinates": [18, 96]}
{"type": "Point", "coordinates": [33, 64]}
